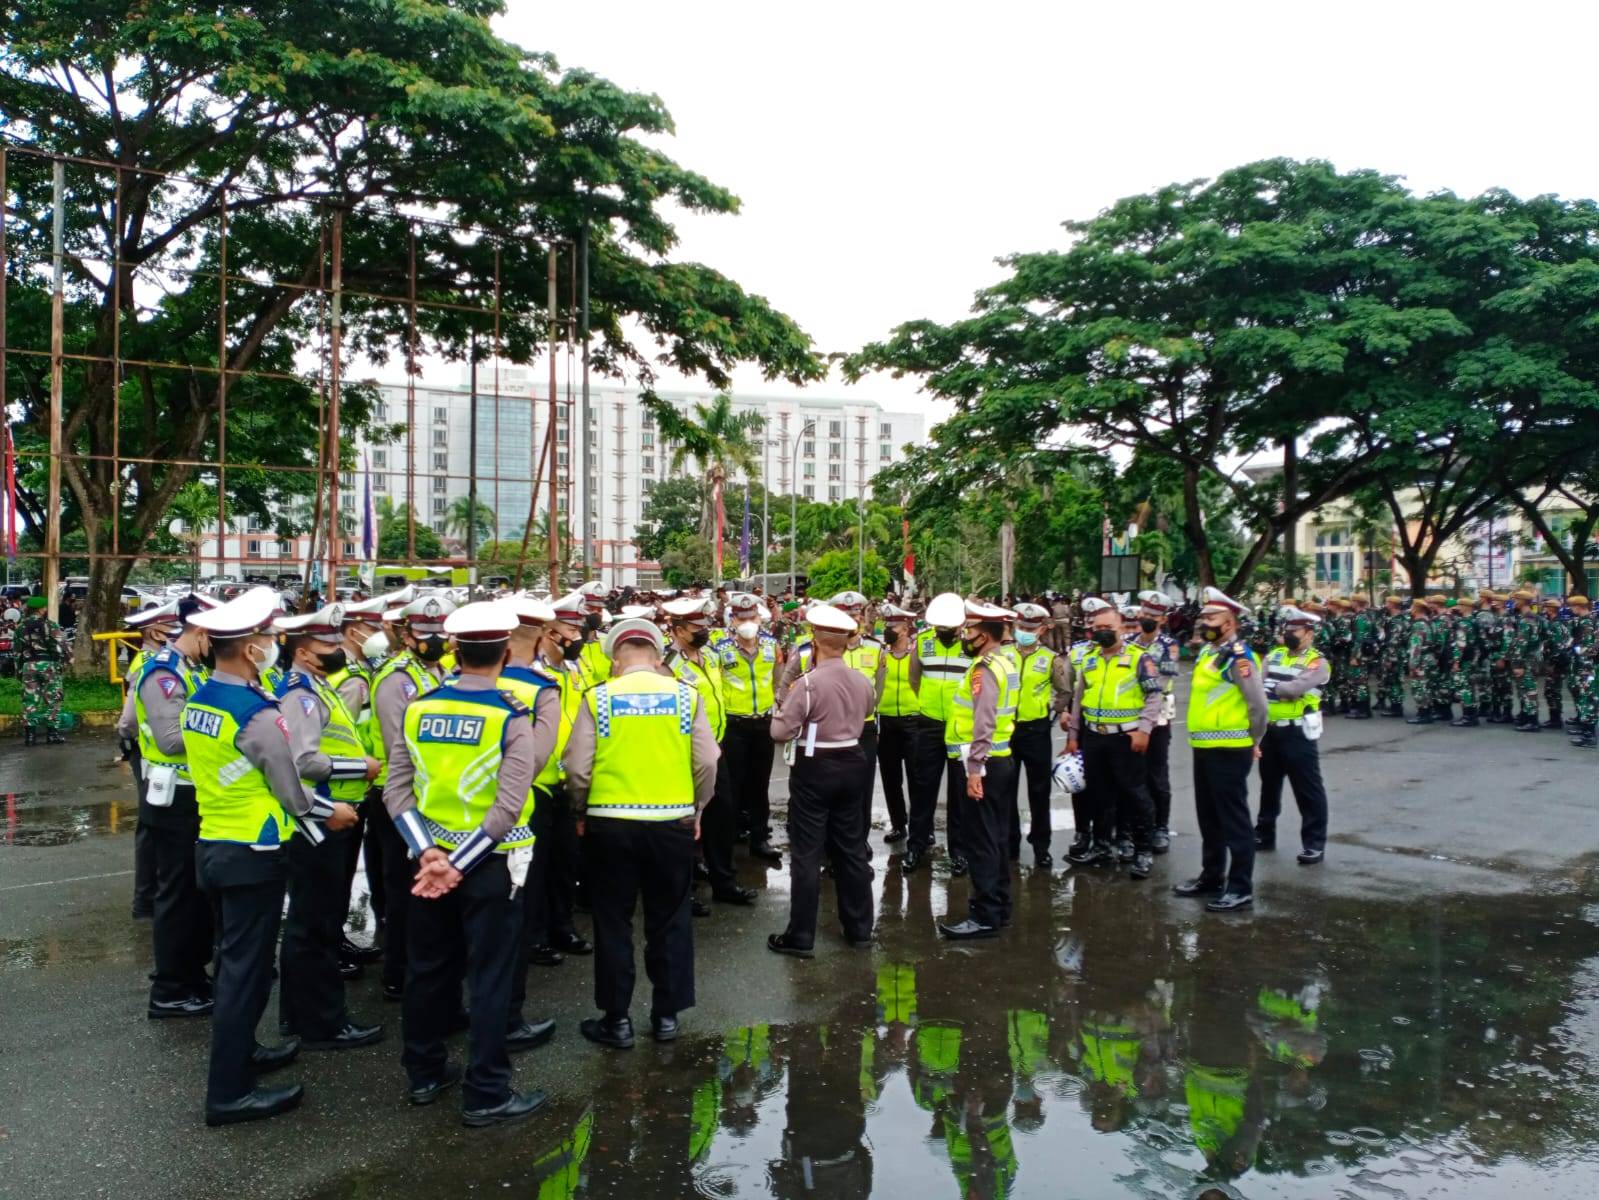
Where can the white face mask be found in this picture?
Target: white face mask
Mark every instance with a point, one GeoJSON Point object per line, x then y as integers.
{"type": "Point", "coordinates": [1025, 637]}
{"type": "Point", "coordinates": [269, 659]}
{"type": "Point", "coordinates": [747, 629]}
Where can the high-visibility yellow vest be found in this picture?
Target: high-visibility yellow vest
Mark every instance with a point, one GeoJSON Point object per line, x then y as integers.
{"type": "Point", "coordinates": [896, 993]}
{"type": "Point", "coordinates": [1218, 715]}
{"type": "Point", "coordinates": [570, 679]}
{"type": "Point", "coordinates": [363, 719]}
{"type": "Point", "coordinates": [1038, 685]}
{"type": "Point", "coordinates": [455, 739]}
{"type": "Point", "coordinates": [898, 698]}
{"type": "Point", "coordinates": [594, 662]}
{"type": "Point", "coordinates": [1112, 694]}
{"type": "Point", "coordinates": [236, 803]}
{"type": "Point", "coordinates": [959, 727]}
{"type": "Point", "coordinates": [422, 681]}
{"type": "Point", "coordinates": [705, 677]}
{"type": "Point", "coordinates": [1110, 1055]}
{"type": "Point", "coordinates": [643, 747]}
{"type": "Point", "coordinates": [1217, 1098]}
{"type": "Point", "coordinates": [525, 683]}
{"type": "Point", "coordinates": [942, 668]}
{"type": "Point", "coordinates": [1282, 665]}
{"type": "Point", "coordinates": [864, 658]}
{"type": "Point", "coordinates": [131, 675]}
{"type": "Point", "coordinates": [339, 737]}
{"type": "Point", "coordinates": [189, 676]}
{"type": "Point", "coordinates": [749, 682]}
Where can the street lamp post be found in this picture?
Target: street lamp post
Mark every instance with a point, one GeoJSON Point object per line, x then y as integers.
{"type": "Point", "coordinates": [766, 493]}
{"type": "Point", "coordinates": [793, 501]}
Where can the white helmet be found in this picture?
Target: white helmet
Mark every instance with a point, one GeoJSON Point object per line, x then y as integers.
{"type": "Point", "coordinates": [1068, 773]}
{"type": "Point", "coordinates": [946, 611]}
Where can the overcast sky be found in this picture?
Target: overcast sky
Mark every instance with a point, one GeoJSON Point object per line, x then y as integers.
{"type": "Point", "coordinates": [886, 153]}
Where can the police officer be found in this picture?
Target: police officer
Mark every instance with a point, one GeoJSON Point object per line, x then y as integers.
{"type": "Point", "coordinates": [1156, 641]}
{"type": "Point", "coordinates": [823, 714]}
{"type": "Point", "coordinates": [333, 762]}
{"type": "Point", "coordinates": [896, 716]}
{"type": "Point", "coordinates": [41, 653]}
{"type": "Point", "coordinates": [641, 768]}
{"type": "Point", "coordinates": [1296, 675]}
{"type": "Point", "coordinates": [690, 659]}
{"type": "Point", "coordinates": [1046, 688]}
{"type": "Point", "coordinates": [250, 798]}
{"type": "Point", "coordinates": [460, 791]}
{"type": "Point", "coordinates": [181, 928]}
{"type": "Point", "coordinates": [1227, 715]}
{"type": "Point", "coordinates": [413, 670]}
{"type": "Point", "coordinates": [155, 625]}
{"type": "Point", "coordinates": [864, 654]}
{"type": "Point", "coordinates": [939, 666]}
{"type": "Point", "coordinates": [977, 734]}
{"type": "Point", "coordinates": [751, 661]}
{"type": "Point", "coordinates": [596, 664]}
{"type": "Point", "coordinates": [1116, 701]}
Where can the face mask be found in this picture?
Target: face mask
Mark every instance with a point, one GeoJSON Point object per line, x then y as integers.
{"type": "Point", "coordinates": [1148, 624]}
{"type": "Point", "coordinates": [1295, 641]}
{"type": "Point", "coordinates": [946, 637]}
{"type": "Point", "coordinates": [571, 650]}
{"type": "Point", "coordinates": [268, 660]}
{"type": "Point", "coordinates": [431, 648]}
{"type": "Point", "coordinates": [208, 656]}
{"type": "Point", "coordinates": [1025, 637]}
{"type": "Point", "coordinates": [1105, 637]}
{"type": "Point", "coordinates": [698, 637]}
{"type": "Point", "coordinates": [591, 621]}
{"type": "Point", "coordinates": [1210, 633]}
{"type": "Point", "coordinates": [333, 661]}
{"type": "Point", "coordinates": [969, 646]}
{"type": "Point", "coordinates": [747, 630]}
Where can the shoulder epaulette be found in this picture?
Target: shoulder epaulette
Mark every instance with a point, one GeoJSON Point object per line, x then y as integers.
{"type": "Point", "coordinates": [514, 703]}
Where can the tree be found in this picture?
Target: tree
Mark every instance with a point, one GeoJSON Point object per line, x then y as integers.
{"type": "Point", "coordinates": [286, 112]}
{"type": "Point", "coordinates": [688, 559]}
{"type": "Point", "coordinates": [717, 440]}
{"type": "Point", "coordinates": [470, 520]}
{"type": "Point", "coordinates": [835, 572]}
{"type": "Point", "coordinates": [673, 506]}
{"type": "Point", "coordinates": [394, 537]}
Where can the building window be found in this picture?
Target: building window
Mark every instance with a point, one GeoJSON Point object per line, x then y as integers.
{"type": "Point", "coordinates": [380, 412]}
{"type": "Point", "coordinates": [1335, 558]}
{"type": "Point", "coordinates": [649, 486]}
{"type": "Point", "coordinates": [252, 524]}
{"type": "Point", "coordinates": [441, 437]}
{"type": "Point", "coordinates": [560, 433]}
{"type": "Point", "coordinates": [441, 414]}
{"type": "Point", "coordinates": [562, 458]}
{"type": "Point", "coordinates": [649, 464]}
{"type": "Point", "coordinates": [349, 550]}
{"type": "Point", "coordinates": [835, 471]}
{"type": "Point", "coordinates": [380, 483]}
{"type": "Point", "coordinates": [380, 458]}
{"type": "Point", "coordinates": [346, 479]}
{"type": "Point", "coordinates": [594, 416]}
{"type": "Point", "coordinates": [440, 484]}
{"type": "Point", "coordinates": [646, 439]}
{"type": "Point", "coordinates": [885, 452]}
{"type": "Point", "coordinates": [347, 502]}
{"type": "Point", "coordinates": [560, 504]}
{"type": "Point", "coordinates": [441, 462]}
{"type": "Point", "coordinates": [835, 429]}
{"type": "Point", "coordinates": [885, 431]}
{"type": "Point", "coordinates": [592, 460]}
{"type": "Point", "coordinates": [647, 421]}
{"type": "Point", "coordinates": [439, 506]}
{"type": "Point", "coordinates": [810, 449]}
{"type": "Point", "coordinates": [254, 548]}
{"type": "Point", "coordinates": [835, 449]}
{"type": "Point", "coordinates": [810, 470]}
{"type": "Point", "coordinates": [561, 414]}
{"type": "Point", "coordinates": [438, 526]}
{"type": "Point", "coordinates": [810, 491]}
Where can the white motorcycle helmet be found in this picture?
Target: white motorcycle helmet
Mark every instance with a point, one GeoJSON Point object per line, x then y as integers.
{"type": "Point", "coordinates": [1068, 773]}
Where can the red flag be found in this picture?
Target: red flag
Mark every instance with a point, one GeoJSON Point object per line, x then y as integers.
{"type": "Point", "coordinates": [910, 556]}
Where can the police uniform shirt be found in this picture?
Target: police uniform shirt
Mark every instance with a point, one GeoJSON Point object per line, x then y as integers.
{"type": "Point", "coordinates": [306, 716]}
{"type": "Point", "coordinates": [264, 741]}
{"type": "Point", "coordinates": [164, 697]}
{"type": "Point", "coordinates": [578, 758]}
{"type": "Point", "coordinates": [1251, 683]}
{"type": "Point", "coordinates": [355, 689]}
{"type": "Point", "coordinates": [1060, 678]}
{"type": "Point", "coordinates": [834, 696]}
{"type": "Point", "coordinates": [751, 653]}
{"type": "Point", "coordinates": [985, 715]}
{"type": "Point", "coordinates": [1313, 676]}
{"type": "Point", "coordinates": [519, 763]}
{"type": "Point", "coordinates": [1148, 672]}
{"type": "Point", "coordinates": [389, 704]}
{"type": "Point", "coordinates": [546, 714]}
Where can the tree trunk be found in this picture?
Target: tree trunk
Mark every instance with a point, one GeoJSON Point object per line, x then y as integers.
{"type": "Point", "coordinates": [1194, 525]}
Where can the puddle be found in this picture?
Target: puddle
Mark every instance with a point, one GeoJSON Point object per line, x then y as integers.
{"type": "Point", "coordinates": [35, 819]}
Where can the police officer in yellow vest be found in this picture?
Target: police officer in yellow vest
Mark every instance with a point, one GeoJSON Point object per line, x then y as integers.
{"type": "Point", "coordinates": [640, 768]}
{"type": "Point", "coordinates": [411, 672]}
{"type": "Point", "coordinates": [1152, 638]}
{"type": "Point", "coordinates": [595, 618]}
{"type": "Point", "coordinates": [752, 661]}
{"type": "Point", "coordinates": [690, 659]}
{"type": "Point", "coordinates": [977, 736]}
{"type": "Point", "coordinates": [460, 790]}
{"type": "Point", "coordinates": [1227, 716]}
{"type": "Point", "coordinates": [1296, 673]}
{"type": "Point", "coordinates": [865, 655]}
{"type": "Point", "coordinates": [250, 799]}
{"type": "Point", "coordinates": [353, 682]}
{"type": "Point", "coordinates": [181, 929]}
{"type": "Point", "coordinates": [155, 625]}
{"type": "Point", "coordinates": [1046, 690]}
{"type": "Point", "coordinates": [936, 670]}
{"type": "Point", "coordinates": [896, 716]}
{"type": "Point", "coordinates": [333, 762]}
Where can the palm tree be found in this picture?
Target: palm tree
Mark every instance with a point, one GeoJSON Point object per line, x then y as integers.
{"type": "Point", "coordinates": [459, 519]}
{"type": "Point", "coordinates": [718, 440]}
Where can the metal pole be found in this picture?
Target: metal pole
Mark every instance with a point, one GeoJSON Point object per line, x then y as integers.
{"type": "Point", "coordinates": [222, 389]}
{"type": "Point", "coordinates": [410, 415]}
{"type": "Point", "coordinates": [52, 517]}
{"type": "Point", "coordinates": [5, 446]}
{"type": "Point", "coordinates": [590, 514]}
{"type": "Point", "coordinates": [555, 553]}
{"type": "Point", "coordinates": [471, 477]}
{"type": "Point", "coordinates": [766, 495]}
{"type": "Point", "coordinates": [335, 342]}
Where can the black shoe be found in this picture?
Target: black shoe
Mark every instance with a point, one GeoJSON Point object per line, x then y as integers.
{"type": "Point", "coordinates": [1393, 710]}
{"type": "Point", "coordinates": [1160, 843]}
{"type": "Point", "coordinates": [571, 943]}
{"type": "Point", "coordinates": [1043, 858]}
{"type": "Point", "coordinates": [1555, 721]}
{"type": "Point", "coordinates": [964, 931]}
{"type": "Point", "coordinates": [1467, 718]}
{"type": "Point", "coordinates": [350, 952]}
{"type": "Point", "coordinates": [1309, 858]}
{"type": "Point", "coordinates": [265, 1059]}
{"type": "Point", "coordinates": [393, 992]}
{"type": "Point", "coordinates": [664, 1028]}
{"type": "Point", "coordinates": [1527, 723]}
{"type": "Point", "coordinates": [1124, 850]}
{"type": "Point", "coordinates": [520, 1106]}
{"type": "Point", "coordinates": [911, 859]}
{"type": "Point", "coordinates": [545, 956]}
{"type": "Point", "coordinates": [257, 1106]}
{"type": "Point", "coordinates": [894, 835]}
{"type": "Point", "coordinates": [143, 912]}
{"type": "Point", "coordinates": [1198, 886]}
{"type": "Point", "coordinates": [189, 1006]}
{"type": "Point", "coordinates": [615, 1032]}
{"type": "Point", "coordinates": [702, 873]}
{"type": "Point", "coordinates": [765, 852]}
{"type": "Point", "coordinates": [350, 1037]}
{"type": "Point", "coordinates": [958, 866]}
{"type": "Point", "coordinates": [1081, 851]}
{"type": "Point", "coordinates": [54, 738]}
{"type": "Point", "coordinates": [426, 1093]}
{"type": "Point", "coordinates": [855, 943]}
{"type": "Point", "coordinates": [735, 895]}
{"type": "Point", "coordinates": [1361, 711]}
{"type": "Point", "coordinates": [1423, 717]}
{"type": "Point", "coordinates": [1143, 863]}
{"type": "Point", "coordinates": [29, 737]}
{"type": "Point", "coordinates": [348, 969]}
{"type": "Point", "coordinates": [699, 907]}
{"type": "Point", "coordinates": [529, 1034]}
{"type": "Point", "coordinates": [1230, 902]}
{"type": "Point", "coordinates": [1585, 739]}
{"type": "Point", "coordinates": [1265, 839]}
{"type": "Point", "coordinates": [778, 943]}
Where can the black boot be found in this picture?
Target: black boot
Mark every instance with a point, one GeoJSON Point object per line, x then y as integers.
{"type": "Point", "coordinates": [30, 736]}
{"type": "Point", "coordinates": [1424, 716]}
{"type": "Point", "coordinates": [1467, 718]}
{"type": "Point", "coordinates": [1527, 723]}
{"type": "Point", "coordinates": [1555, 721]}
{"type": "Point", "coordinates": [1361, 710]}
{"type": "Point", "coordinates": [1585, 739]}
{"type": "Point", "coordinates": [54, 738]}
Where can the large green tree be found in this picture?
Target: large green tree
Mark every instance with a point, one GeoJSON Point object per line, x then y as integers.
{"type": "Point", "coordinates": [285, 113]}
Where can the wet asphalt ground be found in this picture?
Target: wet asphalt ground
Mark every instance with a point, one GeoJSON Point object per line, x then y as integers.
{"type": "Point", "coordinates": [1417, 1017]}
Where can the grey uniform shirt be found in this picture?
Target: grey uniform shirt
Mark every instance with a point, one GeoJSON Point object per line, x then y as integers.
{"type": "Point", "coordinates": [356, 692]}
{"type": "Point", "coordinates": [164, 712]}
{"type": "Point", "coordinates": [264, 740]}
{"type": "Point", "coordinates": [307, 716]}
{"type": "Point", "coordinates": [985, 716]}
{"type": "Point", "coordinates": [1314, 676]}
{"type": "Point", "coordinates": [1149, 681]}
{"type": "Point", "coordinates": [546, 718]}
{"type": "Point", "coordinates": [388, 706]}
{"type": "Point", "coordinates": [833, 696]}
{"type": "Point", "coordinates": [578, 758]}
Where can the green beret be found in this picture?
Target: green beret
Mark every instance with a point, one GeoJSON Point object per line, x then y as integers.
{"type": "Point", "coordinates": [36, 602]}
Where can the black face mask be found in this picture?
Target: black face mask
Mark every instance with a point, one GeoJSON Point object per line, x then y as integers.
{"type": "Point", "coordinates": [570, 651]}
{"type": "Point", "coordinates": [969, 647]}
{"type": "Point", "coordinates": [591, 621]}
{"type": "Point", "coordinates": [431, 649]}
{"type": "Point", "coordinates": [1148, 624]}
{"type": "Point", "coordinates": [1295, 641]}
{"type": "Point", "coordinates": [1105, 637]}
{"type": "Point", "coordinates": [335, 660]}
{"type": "Point", "coordinates": [1210, 633]}
{"type": "Point", "coordinates": [699, 637]}
{"type": "Point", "coordinates": [892, 634]}
{"type": "Point", "coordinates": [208, 660]}
{"type": "Point", "coordinates": [946, 637]}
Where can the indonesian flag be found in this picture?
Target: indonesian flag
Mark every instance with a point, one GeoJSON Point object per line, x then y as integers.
{"type": "Point", "coordinates": [910, 558]}
{"type": "Point", "coordinates": [1106, 548]}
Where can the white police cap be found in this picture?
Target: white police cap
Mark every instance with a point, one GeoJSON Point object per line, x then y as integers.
{"type": "Point", "coordinates": [481, 621]}
{"type": "Point", "coordinates": [827, 616]}
{"type": "Point", "coordinates": [251, 612]}
{"type": "Point", "coordinates": [634, 629]}
{"type": "Point", "coordinates": [946, 611]}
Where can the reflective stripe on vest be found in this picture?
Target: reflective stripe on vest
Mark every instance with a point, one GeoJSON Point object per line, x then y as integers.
{"type": "Point", "coordinates": [1112, 694]}
{"type": "Point", "coordinates": [1218, 715]}
{"type": "Point", "coordinates": [190, 676]}
{"type": "Point", "coordinates": [338, 738]}
{"type": "Point", "coordinates": [749, 682]}
{"type": "Point", "coordinates": [1282, 666]}
{"type": "Point", "coordinates": [942, 669]}
{"type": "Point", "coordinates": [570, 680]}
{"type": "Point", "coordinates": [959, 728]}
{"type": "Point", "coordinates": [1038, 681]}
{"type": "Point", "coordinates": [898, 699]}
{"type": "Point", "coordinates": [456, 740]}
{"type": "Point", "coordinates": [705, 677]}
{"type": "Point", "coordinates": [643, 748]}
{"type": "Point", "coordinates": [421, 679]}
{"type": "Point", "coordinates": [236, 803]}
{"type": "Point", "coordinates": [363, 719]}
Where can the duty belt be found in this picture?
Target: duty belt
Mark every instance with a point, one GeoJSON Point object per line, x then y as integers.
{"type": "Point", "coordinates": [1289, 721]}
{"type": "Point", "coordinates": [454, 837]}
{"type": "Point", "coordinates": [1110, 728]}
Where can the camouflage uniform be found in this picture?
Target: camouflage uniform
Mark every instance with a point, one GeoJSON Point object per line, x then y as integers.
{"type": "Point", "coordinates": [1418, 664]}
{"type": "Point", "coordinates": [1334, 635]}
{"type": "Point", "coordinates": [1360, 660]}
{"type": "Point", "coordinates": [1438, 639]}
{"type": "Point", "coordinates": [1465, 651]}
{"type": "Point", "coordinates": [1393, 641]}
{"type": "Point", "coordinates": [42, 652]}
{"type": "Point", "coordinates": [1492, 624]}
{"type": "Point", "coordinates": [1556, 656]}
{"type": "Point", "coordinates": [1524, 652]}
{"type": "Point", "coordinates": [1584, 675]}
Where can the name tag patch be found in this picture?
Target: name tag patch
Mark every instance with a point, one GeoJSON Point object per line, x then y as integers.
{"type": "Point", "coordinates": [644, 706]}
{"type": "Point", "coordinates": [465, 731]}
{"type": "Point", "coordinates": [198, 721]}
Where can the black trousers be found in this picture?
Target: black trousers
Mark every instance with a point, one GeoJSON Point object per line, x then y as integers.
{"type": "Point", "coordinates": [143, 847]}
{"type": "Point", "coordinates": [246, 887]}
{"type": "Point", "coordinates": [894, 764]}
{"type": "Point", "coordinates": [399, 873]}
{"type": "Point", "coordinates": [1034, 753]}
{"type": "Point", "coordinates": [311, 990]}
{"type": "Point", "coordinates": [1221, 802]}
{"type": "Point", "coordinates": [1118, 782]}
{"type": "Point", "coordinates": [365, 848]}
{"type": "Point", "coordinates": [1158, 763]}
{"type": "Point", "coordinates": [653, 861]}
{"type": "Point", "coordinates": [475, 933]}
{"type": "Point", "coordinates": [826, 821]}
{"type": "Point", "coordinates": [719, 830]}
{"type": "Point", "coordinates": [932, 768]}
{"type": "Point", "coordinates": [552, 880]}
{"type": "Point", "coordinates": [868, 776]}
{"type": "Point", "coordinates": [985, 828]}
{"type": "Point", "coordinates": [181, 931]}
{"type": "Point", "coordinates": [1287, 753]}
{"type": "Point", "coordinates": [748, 749]}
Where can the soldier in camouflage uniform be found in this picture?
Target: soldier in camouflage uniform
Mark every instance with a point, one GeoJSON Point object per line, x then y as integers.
{"type": "Point", "coordinates": [1556, 655]}
{"type": "Point", "coordinates": [42, 652]}
{"type": "Point", "coordinates": [1438, 630]}
{"type": "Point", "coordinates": [1491, 629]}
{"type": "Point", "coordinates": [1361, 660]}
{"type": "Point", "coordinates": [1584, 671]}
{"type": "Point", "coordinates": [1465, 652]}
{"type": "Point", "coordinates": [1419, 663]}
{"type": "Point", "coordinates": [1524, 652]}
{"type": "Point", "coordinates": [1334, 635]}
{"type": "Point", "coordinates": [1393, 634]}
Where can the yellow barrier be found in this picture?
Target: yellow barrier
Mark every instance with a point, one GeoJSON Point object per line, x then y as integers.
{"type": "Point", "coordinates": [121, 635]}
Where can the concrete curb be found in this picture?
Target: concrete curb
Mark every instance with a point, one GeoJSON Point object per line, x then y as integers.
{"type": "Point", "coordinates": [12, 722]}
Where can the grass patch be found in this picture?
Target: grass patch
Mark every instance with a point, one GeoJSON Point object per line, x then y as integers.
{"type": "Point", "coordinates": [82, 696]}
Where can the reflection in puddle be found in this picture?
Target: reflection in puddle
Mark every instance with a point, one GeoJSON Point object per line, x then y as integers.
{"type": "Point", "coordinates": [28, 819]}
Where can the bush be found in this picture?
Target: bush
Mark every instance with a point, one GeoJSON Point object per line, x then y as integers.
{"type": "Point", "coordinates": [81, 696]}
